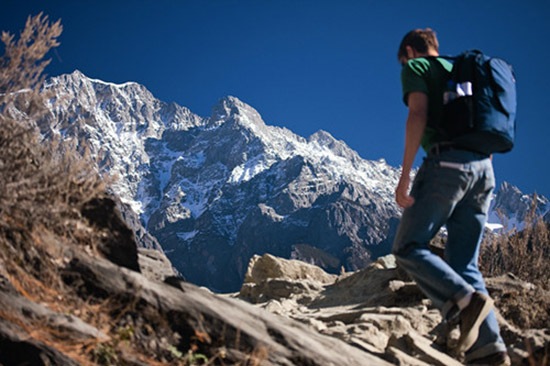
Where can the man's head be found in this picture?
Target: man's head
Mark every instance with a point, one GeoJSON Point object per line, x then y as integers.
{"type": "Point", "coordinates": [418, 43]}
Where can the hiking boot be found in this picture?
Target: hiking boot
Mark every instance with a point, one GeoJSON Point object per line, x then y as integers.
{"type": "Point", "coordinates": [471, 318]}
{"type": "Point", "coordinates": [496, 359]}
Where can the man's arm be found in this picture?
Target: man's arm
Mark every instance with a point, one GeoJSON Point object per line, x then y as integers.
{"type": "Point", "coordinates": [416, 124]}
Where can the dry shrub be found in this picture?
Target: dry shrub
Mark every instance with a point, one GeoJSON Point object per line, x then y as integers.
{"type": "Point", "coordinates": [22, 66]}
{"type": "Point", "coordinates": [43, 183]}
{"type": "Point", "coordinates": [43, 186]}
{"type": "Point", "coordinates": [526, 253]}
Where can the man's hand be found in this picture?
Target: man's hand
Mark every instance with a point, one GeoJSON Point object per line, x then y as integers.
{"type": "Point", "coordinates": [402, 192]}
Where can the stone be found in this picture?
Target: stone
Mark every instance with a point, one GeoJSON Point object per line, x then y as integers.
{"type": "Point", "coordinates": [21, 307]}
{"type": "Point", "coordinates": [17, 348]}
{"type": "Point", "coordinates": [155, 265]}
{"type": "Point", "coordinates": [269, 266]}
{"type": "Point", "coordinates": [118, 244]}
{"type": "Point", "coordinates": [426, 351]}
{"type": "Point", "coordinates": [386, 262]}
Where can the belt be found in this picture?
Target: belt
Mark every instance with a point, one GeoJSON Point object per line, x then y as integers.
{"type": "Point", "coordinates": [437, 149]}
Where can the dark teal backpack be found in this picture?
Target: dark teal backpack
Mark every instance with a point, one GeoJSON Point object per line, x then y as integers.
{"type": "Point", "coordinates": [480, 104]}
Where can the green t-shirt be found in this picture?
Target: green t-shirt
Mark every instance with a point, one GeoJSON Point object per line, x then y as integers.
{"type": "Point", "coordinates": [422, 74]}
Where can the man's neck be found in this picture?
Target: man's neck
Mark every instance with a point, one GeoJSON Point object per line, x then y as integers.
{"type": "Point", "coordinates": [432, 53]}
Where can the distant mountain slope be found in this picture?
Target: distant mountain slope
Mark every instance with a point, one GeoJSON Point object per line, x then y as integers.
{"type": "Point", "coordinates": [511, 207]}
{"type": "Point", "coordinates": [215, 191]}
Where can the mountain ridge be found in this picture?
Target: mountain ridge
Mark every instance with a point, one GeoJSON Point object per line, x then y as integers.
{"type": "Point", "coordinates": [216, 190]}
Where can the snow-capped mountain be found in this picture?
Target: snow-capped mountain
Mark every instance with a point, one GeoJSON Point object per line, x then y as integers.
{"type": "Point", "coordinates": [510, 209]}
{"type": "Point", "coordinates": [214, 191]}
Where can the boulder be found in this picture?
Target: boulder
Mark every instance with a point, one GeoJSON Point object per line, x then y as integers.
{"type": "Point", "coordinates": [269, 266]}
{"type": "Point", "coordinates": [118, 244]}
{"type": "Point", "coordinates": [16, 348]}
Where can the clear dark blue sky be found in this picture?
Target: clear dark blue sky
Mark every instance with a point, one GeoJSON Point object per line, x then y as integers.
{"type": "Point", "coordinates": [306, 65]}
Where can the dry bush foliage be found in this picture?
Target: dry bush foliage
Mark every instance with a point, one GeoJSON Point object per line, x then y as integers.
{"type": "Point", "coordinates": [526, 253]}
{"type": "Point", "coordinates": [41, 181]}
{"type": "Point", "coordinates": [44, 185]}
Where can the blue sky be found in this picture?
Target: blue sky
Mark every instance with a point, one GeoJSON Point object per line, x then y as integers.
{"type": "Point", "coordinates": [306, 65]}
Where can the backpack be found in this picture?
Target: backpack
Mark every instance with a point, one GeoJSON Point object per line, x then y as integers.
{"type": "Point", "coordinates": [479, 111]}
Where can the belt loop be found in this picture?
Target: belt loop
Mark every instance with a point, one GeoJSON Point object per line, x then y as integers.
{"type": "Point", "coordinates": [434, 150]}
{"type": "Point", "coordinates": [452, 165]}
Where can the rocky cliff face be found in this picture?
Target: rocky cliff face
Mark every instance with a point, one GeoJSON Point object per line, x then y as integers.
{"type": "Point", "coordinates": [215, 191]}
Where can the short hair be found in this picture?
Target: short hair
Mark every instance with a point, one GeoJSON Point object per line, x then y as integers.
{"type": "Point", "coordinates": [419, 39]}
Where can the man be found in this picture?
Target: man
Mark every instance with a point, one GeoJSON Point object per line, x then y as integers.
{"type": "Point", "coordinates": [453, 187]}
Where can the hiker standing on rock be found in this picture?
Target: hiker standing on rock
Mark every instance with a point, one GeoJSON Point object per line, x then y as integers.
{"type": "Point", "coordinates": [453, 187]}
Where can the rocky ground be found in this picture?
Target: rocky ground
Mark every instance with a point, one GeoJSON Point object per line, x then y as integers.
{"type": "Point", "coordinates": [379, 310]}
{"type": "Point", "coordinates": [65, 301]}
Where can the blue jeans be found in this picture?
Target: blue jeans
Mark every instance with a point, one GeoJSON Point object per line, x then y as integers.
{"type": "Point", "coordinates": [452, 188]}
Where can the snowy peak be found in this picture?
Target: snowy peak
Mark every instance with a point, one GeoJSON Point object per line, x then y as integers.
{"type": "Point", "coordinates": [117, 120]}
{"type": "Point", "coordinates": [323, 138]}
{"type": "Point", "coordinates": [128, 103]}
{"type": "Point", "coordinates": [510, 207]}
{"type": "Point", "coordinates": [511, 199]}
{"type": "Point", "coordinates": [78, 81]}
{"type": "Point", "coordinates": [231, 109]}
{"type": "Point", "coordinates": [225, 108]}
{"type": "Point", "coordinates": [78, 76]}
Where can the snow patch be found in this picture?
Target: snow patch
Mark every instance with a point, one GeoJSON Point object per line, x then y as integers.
{"type": "Point", "coordinates": [98, 81]}
{"type": "Point", "coordinates": [494, 227]}
{"type": "Point", "coordinates": [248, 170]}
{"type": "Point", "coordinates": [187, 235]}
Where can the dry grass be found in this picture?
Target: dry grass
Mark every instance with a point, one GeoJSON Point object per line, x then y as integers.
{"type": "Point", "coordinates": [42, 182]}
{"type": "Point", "coordinates": [43, 186]}
{"type": "Point", "coordinates": [526, 253]}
